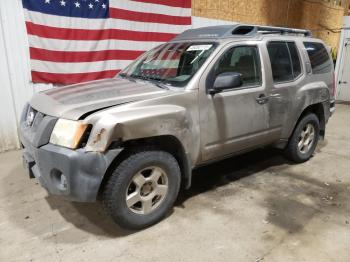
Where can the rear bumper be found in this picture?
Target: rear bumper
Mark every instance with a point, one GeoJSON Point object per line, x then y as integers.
{"type": "Point", "coordinates": [332, 108]}
{"type": "Point", "coordinates": [73, 174]}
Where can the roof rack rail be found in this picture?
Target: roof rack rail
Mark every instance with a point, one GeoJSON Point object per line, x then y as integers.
{"type": "Point", "coordinates": [238, 30]}
{"type": "Point", "coordinates": [282, 30]}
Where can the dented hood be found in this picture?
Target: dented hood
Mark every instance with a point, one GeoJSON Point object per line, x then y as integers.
{"type": "Point", "coordinates": [73, 102]}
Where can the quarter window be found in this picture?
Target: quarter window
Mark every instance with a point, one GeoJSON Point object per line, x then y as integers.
{"type": "Point", "coordinates": [319, 58]}
{"type": "Point", "coordinates": [244, 60]}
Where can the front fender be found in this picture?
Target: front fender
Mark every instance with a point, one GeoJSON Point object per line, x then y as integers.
{"type": "Point", "coordinates": [141, 122]}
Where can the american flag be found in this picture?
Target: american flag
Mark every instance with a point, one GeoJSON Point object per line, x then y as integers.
{"type": "Point", "coordinates": [74, 41]}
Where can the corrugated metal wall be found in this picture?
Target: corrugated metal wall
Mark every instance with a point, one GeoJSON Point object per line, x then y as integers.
{"type": "Point", "coordinates": [15, 85]}
{"type": "Point", "coordinates": [16, 88]}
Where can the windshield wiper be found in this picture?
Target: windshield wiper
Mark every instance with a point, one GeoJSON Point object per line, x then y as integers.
{"type": "Point", "coordinates": [123, 75]}
{"type": "Point", "coordinates": [151, 79]}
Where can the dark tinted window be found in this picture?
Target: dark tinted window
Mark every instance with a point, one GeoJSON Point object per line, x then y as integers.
{"type": "Point", "coordinates": [244, 60]}
{"type": "Point", "coordinates": [295, 59]}
{"type": "Point", "coordinates": [280, 61]}
{"type": "Point", "coordinates": [319, 58]}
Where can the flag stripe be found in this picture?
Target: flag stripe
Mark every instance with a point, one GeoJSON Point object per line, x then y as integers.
{"type": "Point", "coordinates": [86, 34]}
{"type": "Point", "coordinates": [176, 3]}
{"type": "Point", "coordinates": [154, 8]}
{"type": "Point", "coordinates": [148, 17]}
{"type": "Point", "coordinates": [74, 45]}
{"type": "Point", "coordinates": [97, 24]}
{"type": "Point", "coordinates": [92, 56]}
{"type": "Point", "coordinates": [66, 68]}
{"type": "Point", "coordinates": [66, 79]}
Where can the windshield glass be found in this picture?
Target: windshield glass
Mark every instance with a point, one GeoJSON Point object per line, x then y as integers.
{"type": "Point", "coordinates": [171, 64]}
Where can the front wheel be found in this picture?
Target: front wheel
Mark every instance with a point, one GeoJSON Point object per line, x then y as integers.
{"type": "Point", "coordinates": [142, 189]}
{"type": "Point", "coordinates": [304, 139]}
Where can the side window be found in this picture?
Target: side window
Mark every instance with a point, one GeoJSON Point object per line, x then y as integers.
{"type": "Point", "coordinates": [319, 58]}
{"type": "Point", "coordinates": [280, 61]}
{"type": "Point", "coordinates": [295, 59]}
{"type": "Point", "coordinates": [244, 60]}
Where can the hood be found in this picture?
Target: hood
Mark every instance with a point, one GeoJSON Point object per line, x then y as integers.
{"type": "Point", "coordinates": [72, 102]}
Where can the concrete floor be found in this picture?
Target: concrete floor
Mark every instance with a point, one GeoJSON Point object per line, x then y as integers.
{"type": "Point", "coordinates": [256, 207]}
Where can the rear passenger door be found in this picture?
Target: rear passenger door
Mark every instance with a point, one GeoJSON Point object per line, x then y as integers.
{"type": "Point", "coordinates": [286, 77]}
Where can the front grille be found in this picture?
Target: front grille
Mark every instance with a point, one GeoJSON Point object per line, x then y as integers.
{"type": "Point", "coordinates": [36, 127]}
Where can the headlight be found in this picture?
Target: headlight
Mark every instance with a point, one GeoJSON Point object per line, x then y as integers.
{"type": "Point", "coordinates": [68, 133]}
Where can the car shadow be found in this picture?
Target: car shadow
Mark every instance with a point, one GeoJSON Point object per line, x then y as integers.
{"type": "Point", "coordinates": [89, 217]}
{"type": "Point", "coordinates": [232, 169]}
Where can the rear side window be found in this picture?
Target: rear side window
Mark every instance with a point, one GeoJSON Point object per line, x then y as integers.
{"type": "Point", "coordinates": [285, 61]}
{"type": "Point", "coordinates": [319, 58]}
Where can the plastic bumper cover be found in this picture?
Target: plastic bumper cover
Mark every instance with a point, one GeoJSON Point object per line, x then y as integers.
{"type": "Point", "coordinates": [73, 174]}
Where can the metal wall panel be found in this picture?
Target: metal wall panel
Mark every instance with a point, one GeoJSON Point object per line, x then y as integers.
{"type": "Point", "coordinates": [16, 88]}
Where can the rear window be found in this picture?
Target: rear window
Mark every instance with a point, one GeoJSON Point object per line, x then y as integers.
{"type": "Point", "coordinates": [319, 58]}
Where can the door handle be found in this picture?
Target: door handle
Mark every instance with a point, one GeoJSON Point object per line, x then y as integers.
{"type": "Point", "coordinates": [343, 82]}
{"type": "Point", "coordinates": [262, 99]}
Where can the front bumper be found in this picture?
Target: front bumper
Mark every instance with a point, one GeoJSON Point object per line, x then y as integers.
{"type": "Point", "coordinates": [73, 174]}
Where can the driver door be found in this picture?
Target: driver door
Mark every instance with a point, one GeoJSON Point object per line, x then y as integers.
{"type": "Point", "coordinates": [234, 119]}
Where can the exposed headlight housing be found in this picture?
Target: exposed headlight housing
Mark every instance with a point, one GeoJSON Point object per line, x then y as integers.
{"type": "Point", "coordinates": [68, 133]}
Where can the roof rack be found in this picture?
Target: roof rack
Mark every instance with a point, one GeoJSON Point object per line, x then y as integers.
{"type": "Point", "coordinates": [282, 30]}
{"type": "Point", "coordinates": [239, 30]}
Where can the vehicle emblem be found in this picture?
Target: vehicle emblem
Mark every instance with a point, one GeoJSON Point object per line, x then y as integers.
{"type": "Point", "coordinates": [30, 118]}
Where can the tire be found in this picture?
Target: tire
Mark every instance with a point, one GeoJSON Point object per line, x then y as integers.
{"type": "Point", "coordinates": [140, 177]}
{"type": "Point", "coordinates": [298, 151]}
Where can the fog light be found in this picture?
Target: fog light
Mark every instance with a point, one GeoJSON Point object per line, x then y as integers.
{"type": "Point", "coordinates": [59, 180]}
{"type": "Point", "coordinates": [63, 184]}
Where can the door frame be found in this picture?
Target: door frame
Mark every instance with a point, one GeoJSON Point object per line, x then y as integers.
{"type": "Point", "coordinates": [340, 68]}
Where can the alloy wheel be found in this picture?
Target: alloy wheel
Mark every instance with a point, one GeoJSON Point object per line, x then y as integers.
{"type": "Point", "coordinates": [306, 138]}
{"type": "Point", "coordinates": [147, 190]}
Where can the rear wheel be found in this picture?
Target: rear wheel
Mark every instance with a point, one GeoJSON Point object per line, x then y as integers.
{"type": "Point", "coordinates": [304, 139]}
{"type": "Point", "coordinates": [142, 189]}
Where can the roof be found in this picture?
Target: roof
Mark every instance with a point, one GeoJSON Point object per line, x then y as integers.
{"type": "Point", "coordinates": [238, 31]}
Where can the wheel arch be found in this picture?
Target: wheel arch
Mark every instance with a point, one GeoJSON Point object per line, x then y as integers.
{"type": "Point", "coordinates": [167, 143]}
{"type": "Point", "coordinates": [319, 110]}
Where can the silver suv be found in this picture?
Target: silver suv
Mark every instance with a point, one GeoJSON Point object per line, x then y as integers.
{"type": "Point", "coordinates": [210, 93]}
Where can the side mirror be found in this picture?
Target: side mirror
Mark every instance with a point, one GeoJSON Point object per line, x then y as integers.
{"type": "Point", "coordinates": [227, 80]}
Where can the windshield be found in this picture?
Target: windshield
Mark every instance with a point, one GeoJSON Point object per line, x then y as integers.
{"type": "Point", "coordinates": [170, 64]}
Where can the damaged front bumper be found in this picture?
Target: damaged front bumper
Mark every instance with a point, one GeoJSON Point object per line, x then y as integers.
{"type": "Point", "coordinates": [73, 174]}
